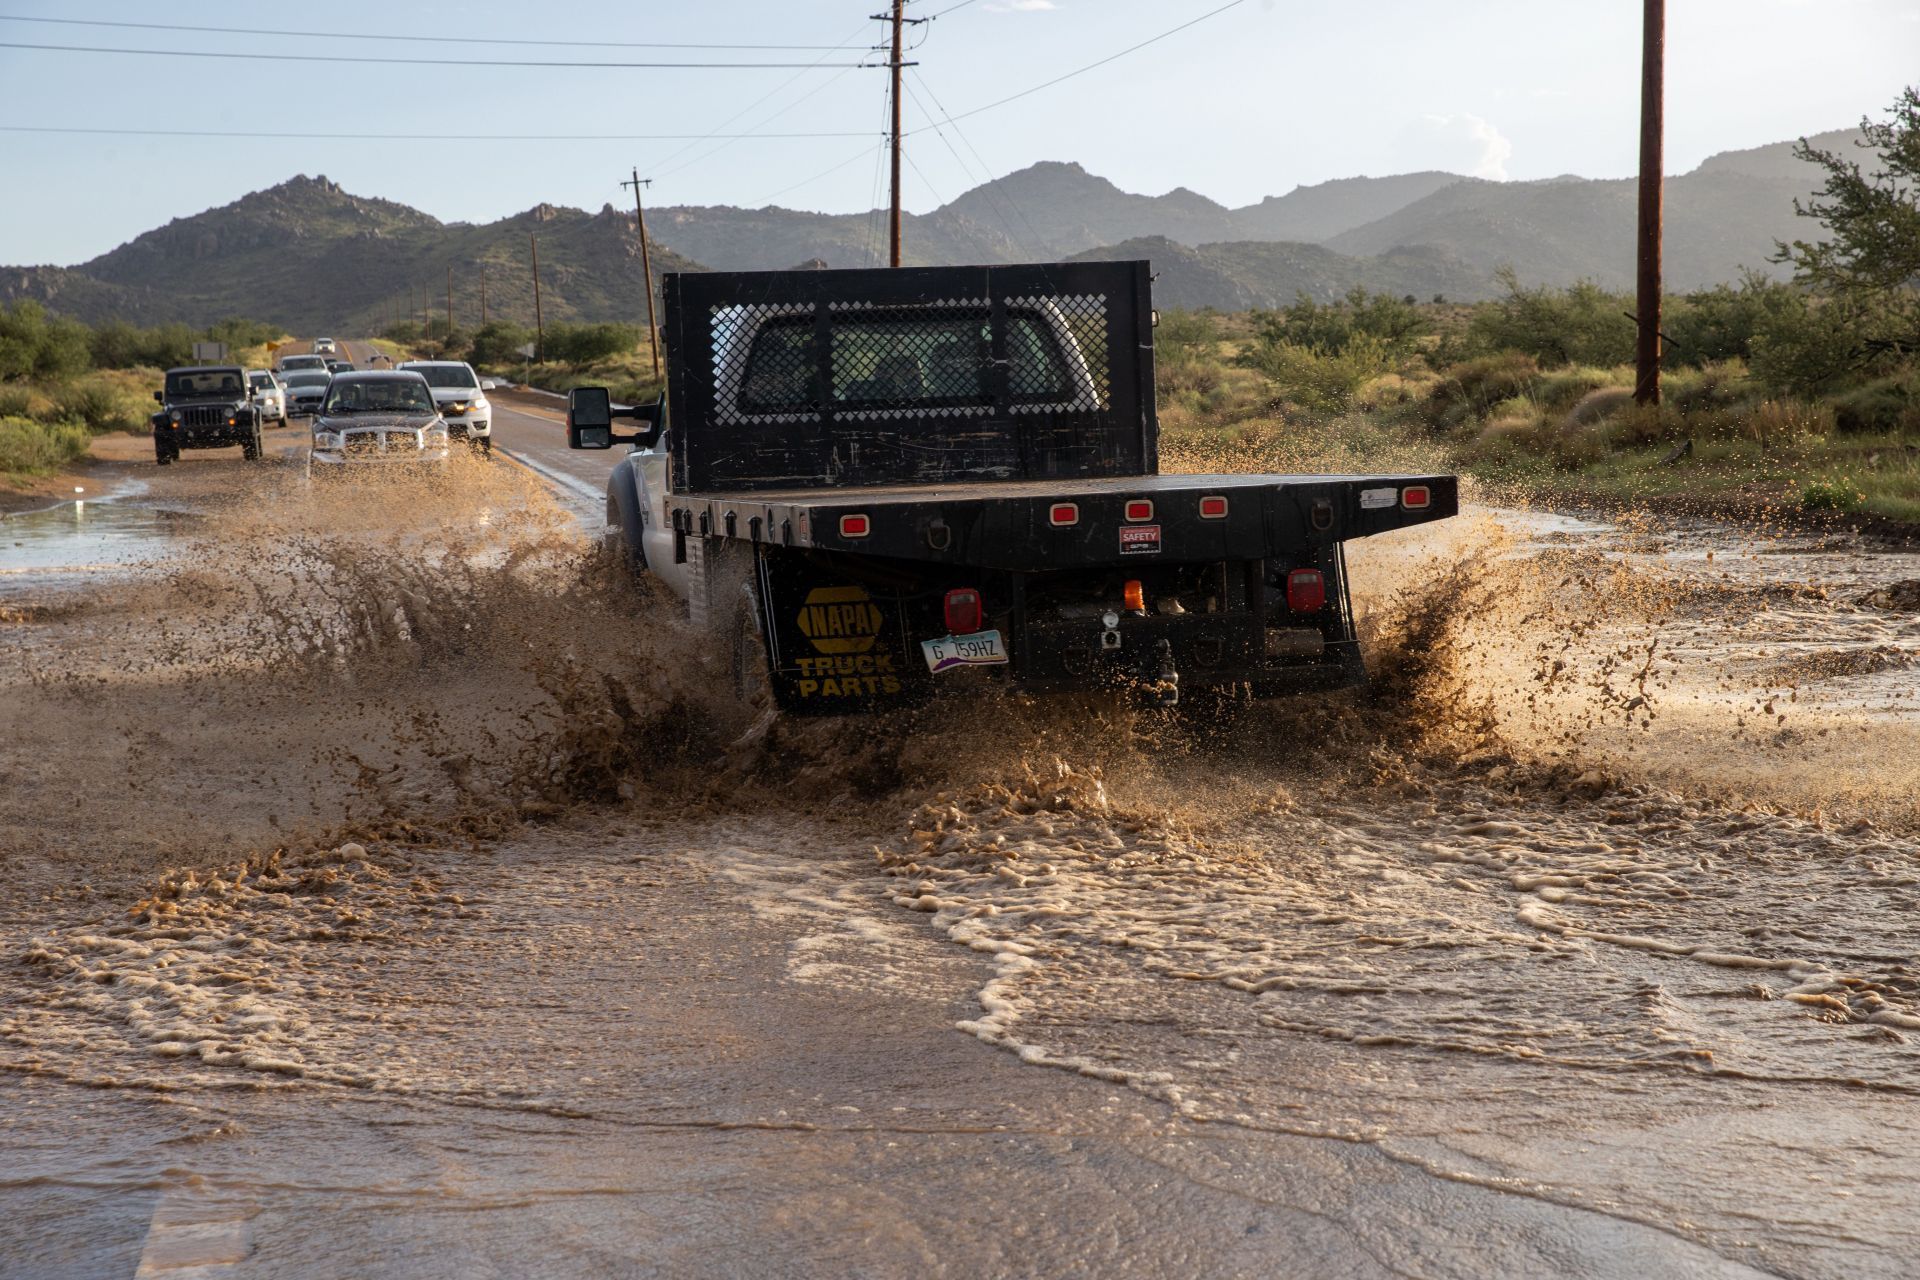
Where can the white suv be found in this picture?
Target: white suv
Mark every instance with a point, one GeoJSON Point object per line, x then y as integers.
{"type": "Point", "coordinates": [324, 347]}
{"type": "Point", "coordinates": [269, 397]}
{"type": "Point", "coordinates": [457, 394]}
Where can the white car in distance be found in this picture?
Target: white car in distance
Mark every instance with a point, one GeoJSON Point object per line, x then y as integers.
{"type": "Point", "coordinates": [325, 347]}
{"type": "Point", "coordinates": [457, 393]}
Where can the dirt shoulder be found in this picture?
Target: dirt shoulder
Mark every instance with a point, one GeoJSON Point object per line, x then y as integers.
{"type": "Point", "coordinates": [111, 461]}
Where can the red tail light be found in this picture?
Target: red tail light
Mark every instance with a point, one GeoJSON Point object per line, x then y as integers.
{"type": "Point", "coordinates": [1063, 514]}
{"type": "Point", "coordinates": [1306, 591]}
{"type": "Point", "coordinates": [964, 613]}
{"type": "Point", "coordinates": [855, 526]}
{"type": "Point", "coordinates": [1213, 508]}
{"type": "Point", "coordinates": [1416, 497]}
{"type": "Point", "coordinates": [1139, 509]}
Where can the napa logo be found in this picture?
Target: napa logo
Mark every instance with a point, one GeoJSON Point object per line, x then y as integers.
{"type": "Point", "coordinates": [840, 619]}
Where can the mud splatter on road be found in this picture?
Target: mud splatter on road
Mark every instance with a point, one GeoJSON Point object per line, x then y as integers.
{"type": "Point", "coordinates": [378, 813]}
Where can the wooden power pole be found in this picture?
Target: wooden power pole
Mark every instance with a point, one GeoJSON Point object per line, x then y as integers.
{"type": "Point", "coordinates": [1646, 389]}
{"type": "Point", "coordinates": [483, 295]}
{"type": "Point", "coordinates": [449, 300]}
{"type": "Point", "coordinates": [899, 19]}
{"type": "Point", "coordinates": [646, 266]}
{"type": "Point", "coordinates": [539, 325]}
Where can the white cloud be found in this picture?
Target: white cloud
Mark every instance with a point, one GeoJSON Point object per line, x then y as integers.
{"type": "Point", "coordinates": [1021, 6]}
{"type": "Point", "coordinates": [1459, 142]}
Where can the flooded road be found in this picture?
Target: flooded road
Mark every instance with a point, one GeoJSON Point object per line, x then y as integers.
{"type": "Point", "coordinates": [409, 911]}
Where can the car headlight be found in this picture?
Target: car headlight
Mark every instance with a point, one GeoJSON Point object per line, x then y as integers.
{"type": "Point", "coordinates": [175, 415]}
{"type": "Point", "coordinates": [328, 440]}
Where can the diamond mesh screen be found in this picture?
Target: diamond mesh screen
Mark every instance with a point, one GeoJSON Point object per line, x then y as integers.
{"type": "Point", "coordinates": [852, 377]}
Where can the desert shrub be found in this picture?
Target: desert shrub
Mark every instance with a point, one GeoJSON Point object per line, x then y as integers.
{"type": "Point", "coordinates": [1836, 494]}
{"type": "Point", "coordinates": [240, 333]}
{"type": "Point", "coordinates": [1581, 324]}
{"type": "Point", "coordinates": [1718, 385]}
{"type": "Point", "coordinates": [586, 343]}
{"type": "Point", "coordinates": [1471, 387]}
{"type": "Point", "coordinates": [102, 402]}
{"type": "Point", "coordinates": [1322, 382]}
{"type": "Point", "coordinates": [1597, 405]}
{"type": "Point", "coordinates": [1721, 323]}
{"type": "Point", "coordinates": [33, 448]}
{"type": "Point", "coordinates": [17, 402]}
{"type": "Point", "coordinates": [498, 343]}
{"type": "Point", "coordinates": [1832, 343]}
{"type": "Point", "coordinates": [119, 345]}
{"type": "Point", "coordinates": [1882, 405]}
{"type": "Point", "coordinates": [34, 344]}
{"type": "Point", "coordinates": [1773, 423]}
{"type": "Point", "coordinates": [1328, 328]}
{"type": "Point", "coordinates": [1558, 390]}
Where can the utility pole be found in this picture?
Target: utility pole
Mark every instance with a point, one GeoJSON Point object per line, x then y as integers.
{"type": "Point", "coordinates": [1646, 389]}
{"type": "Point", "coordinates": [646, 266]}
{"type": "Point", "coordinates": [483, 295]}
{"type": "Point", "coordinates": [893, 243]}
{"type": "Point", "coordinates": [539, 325]}
{"type": "Point", "coordinates": [449, 299]}
{"type": "Point", "coordinates": [900, 21]}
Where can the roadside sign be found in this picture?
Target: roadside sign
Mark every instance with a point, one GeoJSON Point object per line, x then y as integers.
{"type": "Point", "coordinates": [209, 352]}
{"type": "Point", "coordinates": [526, 349]}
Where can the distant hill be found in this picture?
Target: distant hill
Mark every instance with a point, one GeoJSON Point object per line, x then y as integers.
{"type": "Point", "coordinates": [310, 256]}
{"type": "Point", "coordinates": [307, 255]}
{"type": "Point", "coordinates": [1721, 218]}
{"type": "Point", "coordinates": [1243, 274]}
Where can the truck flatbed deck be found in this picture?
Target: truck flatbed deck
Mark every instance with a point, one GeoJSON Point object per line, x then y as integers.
{"type": "Point", "coordinates": [1026, 523]}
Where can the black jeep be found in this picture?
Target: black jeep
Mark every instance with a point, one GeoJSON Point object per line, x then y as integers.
{"type": "Point", "coordinates": [206, 407]}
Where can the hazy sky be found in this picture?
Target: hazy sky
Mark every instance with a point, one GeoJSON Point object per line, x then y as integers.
{"type": "Point", "coordinates": [1252, 102]}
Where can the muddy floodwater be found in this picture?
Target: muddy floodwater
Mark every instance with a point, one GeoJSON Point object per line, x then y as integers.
{"type": "Point", "coordinates": [396, 891]}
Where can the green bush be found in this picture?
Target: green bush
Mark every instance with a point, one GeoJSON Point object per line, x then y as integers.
{"type": "Point", "coordinates": [1882, 405]}
{"type": "Point", "coordinates": [34, 344]}
{"type": "Point", "coordinates": [1815, 350]}
{"type": "Point", "coordinates": [119, 345]}
{"type": "Point", "coordinates": [1720, 324]}
{"type": "Point", "coordinates": [498, 343]}
{"type": "Point", "coordinates": [1581, 324]}
{"type": "Point", "coordinates": [586, 343]}
{"type": "Point", "coordinates": [35, 448]}
{"type": "Point", "coordinates": [1323, 382]}
{"type": "Point", "coordinates": [102, 404]}
{"type": "Point", "coordinates": [1472, 387]}
{"type": "Point", "coordinates": [1395, 324]}
{"type": "Point", "coordinates": [16, 402]}
{"type": "Point", "coordinates": [1831, 495]}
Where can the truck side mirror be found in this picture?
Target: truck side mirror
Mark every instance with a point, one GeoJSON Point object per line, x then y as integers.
{"type": "Point", "coordinates": [159, 397]}
{"type": "Point", "coordinates": [589, 418]}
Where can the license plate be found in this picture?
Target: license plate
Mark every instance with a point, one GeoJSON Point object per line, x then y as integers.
{"type": "Point", "coordinates": [981, 649]}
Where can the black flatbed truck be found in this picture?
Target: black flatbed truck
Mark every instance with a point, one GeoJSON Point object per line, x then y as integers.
{"type": "Point", "coordinates": [874, 485]}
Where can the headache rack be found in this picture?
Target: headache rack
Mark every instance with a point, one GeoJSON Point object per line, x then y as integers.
{"type": "Point", "coordinates": [923, 375]}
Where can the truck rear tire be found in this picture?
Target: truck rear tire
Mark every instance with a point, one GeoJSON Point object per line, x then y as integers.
{"type": "Point", "coordinates": [251, 449]}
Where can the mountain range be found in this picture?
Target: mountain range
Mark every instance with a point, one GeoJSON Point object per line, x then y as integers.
{"type": "Point", "coordinates": [313, 257]}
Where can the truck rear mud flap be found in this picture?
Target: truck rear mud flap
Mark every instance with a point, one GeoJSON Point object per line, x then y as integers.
{"type": "Point", "coordinates": [842, 643]}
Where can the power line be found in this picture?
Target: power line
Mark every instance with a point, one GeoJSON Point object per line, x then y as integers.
{"type": "Point", "coordinates": [1048, 84]}
{"type": "Point", "coordinates": [387, 37]}
{"type": "Point", "coordinates": [862, 154]}
{"type": "Point", "coordinates": [436, 62]}
{"type": "Point", "coordinates": [660, 168]}
{"type": "Point", "coordinates": [420, 137]}
{"type": "Point", "coordinates": [987, 179]}
{"type": "Point", "coordinates": [727, 140]}
{"type": "Point", "coordinates": [944, 12]}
